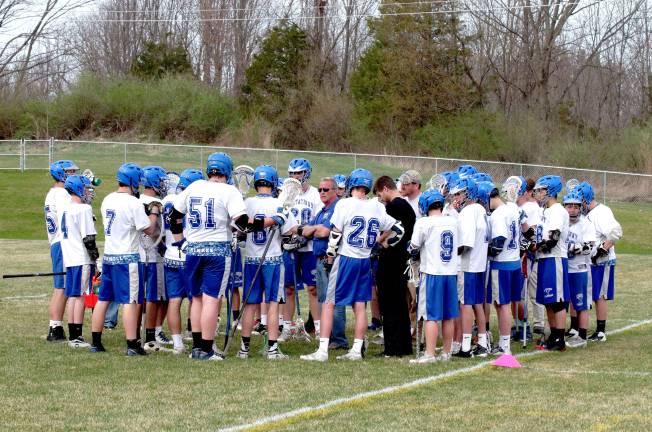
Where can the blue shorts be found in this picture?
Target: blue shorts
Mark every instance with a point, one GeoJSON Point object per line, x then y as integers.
{"type": "Point", "coordinates": [79, 279]}
{"type": "Point", "coordinates": [305, 266]}
{"type": "Point", "coordinates": [235, 278]}
{"type": "Point", "coordinates": [267, 284]}
{"type": "Point", "coordinates": [349, 281]}
{"type": "Point", "coordinates": [437, 297]}
{"type": "Point", "coordinates": [122, 279]}
{"type": "Point", "coordinates": [175, 279]}
{"type": "Point", "coordinates": [57, 265]}
{"type": "Point", "coordinates": [579, 290]}
{"type": "Point", "coordinates": [505, 286]}
{"type": "Point", "coordinates": [154, 282]}
{"type": "Point", "coordinates": [471, 288]}
{"type": "Point", "coordinates": [207, 275]}
{"type": "Point", "coordinates": [552, 280]}
{"type": "Point", "coordinates": [602, 281]}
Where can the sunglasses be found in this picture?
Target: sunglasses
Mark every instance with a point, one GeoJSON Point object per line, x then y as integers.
{"type": "Point", "coordinates": [324, 189]}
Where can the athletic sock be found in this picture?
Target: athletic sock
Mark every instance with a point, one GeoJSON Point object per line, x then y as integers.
{"type": "Point", "coordinates": [317, 326]}
{"type": "Point", "coordinates": [235, 314]}
{"type": "Point", "coordinates": [133, 343]}
{"type": "Point", "coordinates": [466, 342]}
{"type": "Point", "coordinates": [56, 323]}
{"type": "Point", "coordinates": [455, 346]}
{"type": "Point", "coordinates": [357, 345]}
{"type": "Point", "coordinates": [188, 326]}
{"type": "Point", "coordinates": [486, 327]}
{"type": "Point", "coordinates": [196, 340]}
{"type": "Point", "coordinates": [71, 332]}
{"type": "Point", "coordinates": [574, 323]}
{"type": "Point", "coordinates": [323, 344]}
{"type": "Point", "coordinates": [263, 319]}
{"type": "Point", "coordinates": [280, 320]}
{"type": "Point", "coordinates": [177, 341]}
{"type": "Point", "coordinates": [244, 343]}
{"type": "Point", "coordinates": [482, 340]}
{"type": "Point", "coordinates": [97, 338]}
{"type": "Point", "coordinates": [582, 333]}
{"type": "Point", "coordinates": [149, 335]}
{"type": "Point", "coordinates": [504, 343]}
{"type": "Point", "coordinates": [602, 325]}
{"type": "Point", "coordinates": [207, 345]}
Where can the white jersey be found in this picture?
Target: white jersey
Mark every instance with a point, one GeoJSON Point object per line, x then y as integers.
{"type": "Point", "coordinates": [449, 210]}
{"type": "Point", "coordinates": [414, 203]}
{"type": "Point", "coordinates": [473, 232]}
{"type": "Point", "coordinates": [172, 253]}
{"type": "Point", "coordinates": [532, 212]}
{"type": "Point", "coordinates": [306, 206]}
{"type": "Point", "coordinates": [555, 218]}
{"type": "Point", "coordinates": [56, 199]}
{"type": "Point", "coordinates": [580, 232]}
{"type": "Point", "coordinates": [150, 255]}
{"type": "Point", "coordinates": [123, 216]}
{"type": "Point", "coordinates": [76, 222]}
{"type": "Point", "coordinates": [606, 227]}
{"type": "Point", "coordinates": [437, 237]}
{"type": "Point", "coordinates": [505, 222]}
{"type": "Point", "coordinates": [360, 221]}
{"type": "Point", "coordinates": [267, 206]}
{"type": "Point", "coordinates": [209, 208]}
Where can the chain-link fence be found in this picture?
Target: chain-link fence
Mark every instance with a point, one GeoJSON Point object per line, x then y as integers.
{"type": "Point", "coordinates": [105, 157]}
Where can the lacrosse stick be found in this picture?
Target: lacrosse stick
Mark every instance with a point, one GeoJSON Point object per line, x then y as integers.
{"type": "Point", "coordinates": [571, 184]}
{"type": "Point", "coordinates": [511, 189]}
{"type": "Point", "coordinates": [22, 275]}
{"type": "Point", "coordinates": [438, 182]}
{"type": "Point", "coordinates": [149, 243]}
{"type": "Point", "coordinates": [243, 178]}
{"type": "Point", "coordinates": [171, 183]}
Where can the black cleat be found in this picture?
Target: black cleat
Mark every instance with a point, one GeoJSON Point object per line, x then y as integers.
{"type": "Point", "coordinates": [56, 334]}
{"type": "Point", "coordinates": [463, 354]}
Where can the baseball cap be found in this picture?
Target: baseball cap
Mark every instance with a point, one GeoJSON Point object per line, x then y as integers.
{"type": "Point", "coordinates": [410, 176]}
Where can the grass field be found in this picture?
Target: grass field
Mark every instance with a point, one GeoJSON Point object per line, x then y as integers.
{"type": "Point", "coordinates": [45, 386]}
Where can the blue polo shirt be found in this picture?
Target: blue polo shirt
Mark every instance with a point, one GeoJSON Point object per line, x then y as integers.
{"type": "Point", "coordinates": [320, 245]}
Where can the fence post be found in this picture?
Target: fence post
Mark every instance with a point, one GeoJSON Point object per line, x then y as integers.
{"type": "Point", "coordinates": [355, 161]}
{"type": "Point", "coordinates": [125, 152]}
{"type": "Point", "coordinates": [436, 165]}
{"type": "Point", "coordinates": [50, 149]}
{"type": "Point", "coordinates": [22, 155]}
{"type": "Point", "coordinates": [521, 174]}
{"type": "Point", "coordinates": [201, 157]}
{"type": "Point", "coordinates": [604, 187]}
{"type": "Point", "coordinates": [276, 162]}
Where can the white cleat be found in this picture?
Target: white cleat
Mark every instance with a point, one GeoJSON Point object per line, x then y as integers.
{"type": "Point", "coordinates": [276, 355]}
{"type": "Point", "coordinates": [351, 355]}
{"type": "Point", "coordinates": [425, 359]}
{"type": "Point", "coordinates": [78, 343]}
{"type": "Point", "coordinates": [444, 357]}
{"type": "Point", "coordinates": [242, 354]}
{"type": "Point", "coordinates": [162, 339]}
{"type": "Point", "coordinates": [179, 350]}
{"type": "Point", "coordinates": [576, 342]}
{"type": "Point", "coordinates": [318, 355]}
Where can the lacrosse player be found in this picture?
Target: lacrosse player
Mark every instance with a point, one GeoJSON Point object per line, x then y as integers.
{"type": "Point", "coordinates": [357, 224]}
{"type": "Point", "coordinates": [79, 252]}
{"type": "Point", "coordinates": [506, 277]}
{"type": "Point", "coordinates": [552, 259]}
{"type": "Point", "coordinates": [472, 250]}
{"type": "Point", "coordinates": [174, 261]}
{"type": "Point", "coordinates": [434, 244]}
{"type": "Point", "coordinates": [211, 206]}
{"type": "Point", "coordinates": [154, 178]}
{"type": "Point", "coordinates": [123, 217]}
{"type": "Point", "coordinates": [300, 265]}
{"type": "Point", "coordinates": [264, 274]}
{"type": "Point", "coordinates": [603, 259]}
{"type": "Point", "coordinates": [55, 200]}
{"type": "Point", "coordinates": [581, 240]}
{"type": "Point", "coordinates": [340, 181]}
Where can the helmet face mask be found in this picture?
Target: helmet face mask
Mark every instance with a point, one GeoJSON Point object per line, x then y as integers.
{"type": "Point", "coordinates": [300, 169]}
{"type": "Point", "coordinates": [574, 210]}
{"type": "Point", "coordinates": [541, 195]}
{"type": "Point", "coordinates": [265, 176]}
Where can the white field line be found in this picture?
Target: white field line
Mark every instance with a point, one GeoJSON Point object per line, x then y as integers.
{"type": "Point", "coordinates": [634, 374]}
{"type": "Point", "coordinates": [26, 297]}
{"type": "Point", "coordinates": [392, 389]}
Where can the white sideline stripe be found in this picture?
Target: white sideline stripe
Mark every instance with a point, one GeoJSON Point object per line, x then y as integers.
{"type": "Point", "coordinates": [591, 372]}
{"type": "Point", "coordinates": [23, 297]}
{"type": "Point", "coordinates": [395, 388]}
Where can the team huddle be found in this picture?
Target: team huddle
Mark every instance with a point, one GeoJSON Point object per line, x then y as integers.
{"type": "Point", "coordinates": [427, 262]}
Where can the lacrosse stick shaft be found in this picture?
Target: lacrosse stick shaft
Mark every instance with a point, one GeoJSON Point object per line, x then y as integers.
{"type": "Point", "coordinates": [296, 288]}
{"type": "Point", "coordinates": [22, 275]}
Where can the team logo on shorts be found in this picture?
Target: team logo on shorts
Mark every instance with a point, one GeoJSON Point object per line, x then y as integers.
{"type": "Point", "coordinates": [547, 292]}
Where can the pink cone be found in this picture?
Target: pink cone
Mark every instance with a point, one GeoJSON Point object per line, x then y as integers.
{"type": "Point", "coordinates": [507, 361]}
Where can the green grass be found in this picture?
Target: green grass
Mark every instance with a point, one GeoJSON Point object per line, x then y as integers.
{"type": "Point", "coordinates": [54, 387]}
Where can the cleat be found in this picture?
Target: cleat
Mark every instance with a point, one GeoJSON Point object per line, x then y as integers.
{"type": "Point", "coordinates": [242, 354]}
{"type": "Point", "coordinates": [276, 354]}
{"type": "Point", "coordinates": [195, 353]}
{"type": "Point", "coordinates": [424, 359]}
{"type": "Point", "coordinates": [576, 342]}
{"type": "Point", "coordinates": [179, 350]}
{"type": "Point", "coordinates": [351, 355]}
{"type": "Point", "coordinates": [259, 329]}
{"type": "Point", "coordinates": [318, 355]}
{"type": "Point", "coordinates": [376, 324]}
{"type": "Point", "coordinates": [162, 339]}
{"type": "Point", "coordinates": [598, 337]}
{"type": "Point", "coordinates": [571, 332]}
{"type": "Point", "coordinates": [444, 357]}
{"type": "Point", "coordinates": [134, 352]}
{"type": "Point", "coordinates": [78, 343]}
{"type": "Point", "coordinates": [480, 351]}
{"type": "Point", "coordinates": [285, 335]}
{"type": "Point", "coordinates": [379, 339]}
{"type": "Point", "coordinates": [56, 334]}
{"type": "Point", "coordinates": [463, 354]}
{"type": "Point", "coordinates": [97, 348]}
{"type": "Point", "coordinates": [210, 356]}
{"type": "Point", "coordinates": [497, 351]}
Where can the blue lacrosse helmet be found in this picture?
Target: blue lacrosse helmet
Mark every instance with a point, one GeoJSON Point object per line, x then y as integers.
{"type": "Point", "coordinates": [572, 197]}
{"type": "Point", "coordinates": [360, 177]}
{"type": "Point", "coordinates": [482, 177]}
{"type": "Point", "coordinates": [466, 185]}
{"type": "Point", "coordinates": [466, 171]}
{"type": "Point", "coordinates": [428, 198]}
{"type": "Point", "coordinates": [77, 184]}
{"type": "Point", "coordinates": [188, 177]}
{"type": "Point", "coordinates": [551, 183]}
{"type": "Point", "coordinates": [521, 191]}
{"type": "Point", "coordinates": [300, 165]}
{"type": "Point", "coordinates": [585, 192]}
{"type": "Point", "coordinates": [154, 177]}
{"type": "Point", "coordinates": [452, 177]}
{"type": "Point", "coordinates": [340, 179]}
{"type": "Point", "coordinates": [58, 169]}
{"type": "Point", "coordinates": [265, 175]}
{"type": "Point", "coordinates": [130, 174]}
{"type": "Point", "coordinates": [484, 192]}
{"type": "Point", "coordinates": [219, 164]}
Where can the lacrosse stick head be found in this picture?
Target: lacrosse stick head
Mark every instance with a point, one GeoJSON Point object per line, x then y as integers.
{"type": "Point", "coordinates": [438, 182]}
{"type": "Point", "coordinates": [243, 178]}
{"type": "Point", "coordinates": [571, 184]}
{"type": "Point", "coordinates": [512, 188]}
{"type": "Point", "coordinates": [291, 190]}
{"type": "Point", "coordinates": [171, 182]}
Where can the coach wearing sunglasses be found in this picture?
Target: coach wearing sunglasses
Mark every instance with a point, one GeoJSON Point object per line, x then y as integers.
{"type": "Point", "coordinates": [319, 229]}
